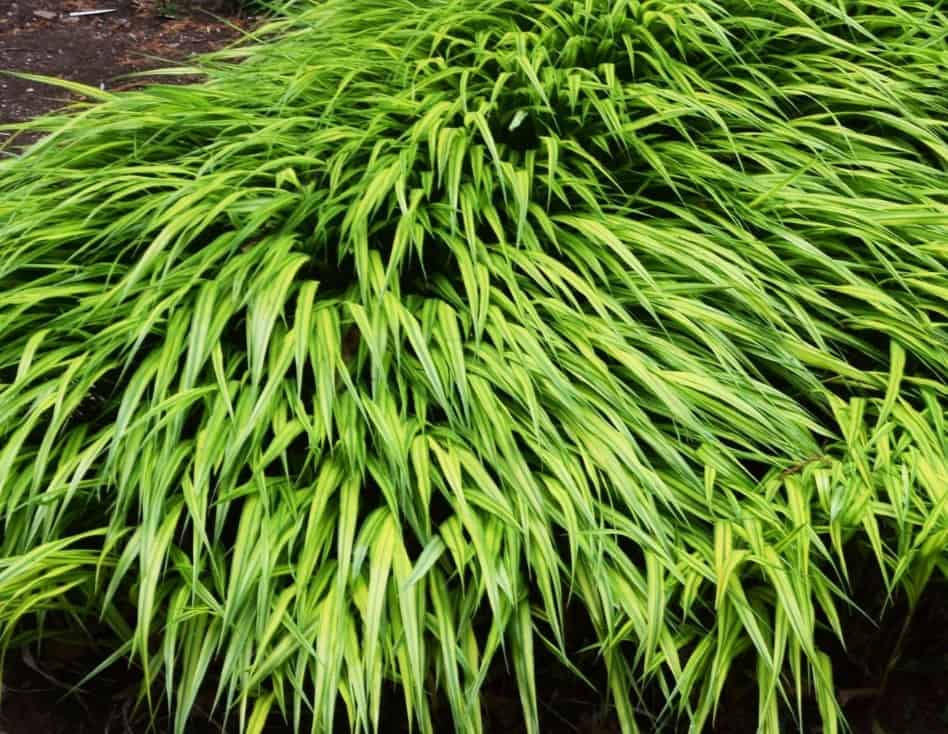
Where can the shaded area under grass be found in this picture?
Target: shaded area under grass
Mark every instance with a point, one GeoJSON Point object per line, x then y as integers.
{"type": "Point", "coordinates": [883, 690]}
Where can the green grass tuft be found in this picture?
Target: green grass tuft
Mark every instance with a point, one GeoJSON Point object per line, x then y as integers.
{"type": "Point", "coordinates": [363, 360]}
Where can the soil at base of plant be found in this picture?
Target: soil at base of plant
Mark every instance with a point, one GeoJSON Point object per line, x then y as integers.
{"type": "Point", "coordinates": [914, 700]}
{"type": "Point", "coordinates": [40, 37]}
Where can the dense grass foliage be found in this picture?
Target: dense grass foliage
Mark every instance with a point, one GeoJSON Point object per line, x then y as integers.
{"type": "Point", "coordinates": [424, 322]}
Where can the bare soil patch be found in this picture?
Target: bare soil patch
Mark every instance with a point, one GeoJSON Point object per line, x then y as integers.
{"type": "Point", "coordinates": [41, 37]}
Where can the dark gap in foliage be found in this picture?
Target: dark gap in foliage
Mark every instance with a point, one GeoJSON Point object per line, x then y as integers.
{"type": "Point", "coordinates": [297, 464]}
{"type": "Point", "coordinates": [224, 525]}
{"type": "Point", "coordinates": [755, 469]}
{"type": "Point", "coordinates": [8, 373]}
{"type": "Point", "coordinates": [336, 278]}
{"type": "Point", "coordinates": [233, 338]}
{"type": "Point", "coordinates": [873, 354]}
{"type": "Point", "coordinates": [515, 125]}
{"type": "Point", "coordinates": [417, 273]}
{"type": "Point", "coordinates": [98, 407]}
{"type": "Point", "coordinates": [440, 510]}
{"type": "Point", "coordinates": [192, 423]}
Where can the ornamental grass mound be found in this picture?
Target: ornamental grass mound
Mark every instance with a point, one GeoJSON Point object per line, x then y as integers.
{"type": "Point", "coordinates": [417, 326]}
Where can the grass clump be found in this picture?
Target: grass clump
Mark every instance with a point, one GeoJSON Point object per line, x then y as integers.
{"type": "Point", "coordinates": [365, 359]}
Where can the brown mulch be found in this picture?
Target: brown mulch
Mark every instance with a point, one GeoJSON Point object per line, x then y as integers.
{"type": "Point", "coordinates": [39, 37]}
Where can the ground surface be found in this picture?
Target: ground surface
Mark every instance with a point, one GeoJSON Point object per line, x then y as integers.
{"type": "Point", "coordinates": [37, 36]}
{"type": "Point", "coordinates": [911, 699]}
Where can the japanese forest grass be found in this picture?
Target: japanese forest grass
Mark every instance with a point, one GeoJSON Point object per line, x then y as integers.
{"type": "Point", "coordinates": [417, 324]}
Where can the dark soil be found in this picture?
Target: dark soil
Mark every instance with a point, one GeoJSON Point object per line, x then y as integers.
{"type": "Point", "coordinates": [40, 37]}
{"type": "Point", "coordinates": [911, 698]}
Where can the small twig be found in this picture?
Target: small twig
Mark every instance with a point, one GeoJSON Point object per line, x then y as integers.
{"type": "Point", "coordinates": [846, 695]}
{"type": "Point", "coordinates": [877, 693]}
{"type": "Point", "coordinates": [796, 468]}
{"type": "Point", "coordinates": [559, 716]}
{"type": "Point", "coordinates": [79, 13]}
{"type": "Point", "coordinates": [897, 650]}
{"type": "Point", "coordinates": [27, 691]}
